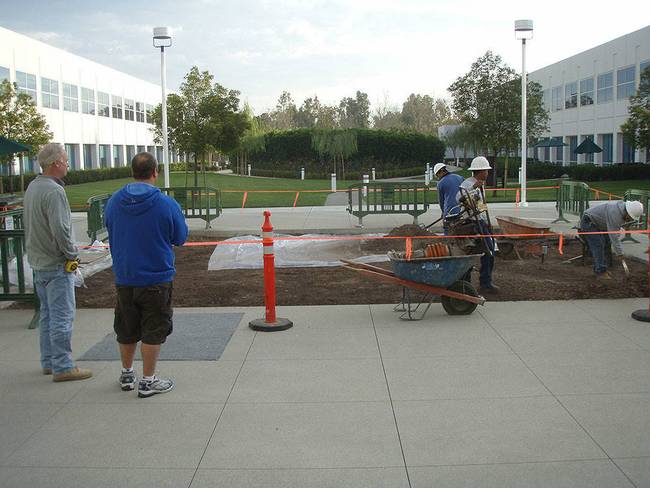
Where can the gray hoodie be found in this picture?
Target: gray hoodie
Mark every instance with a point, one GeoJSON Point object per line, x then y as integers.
{"type": "Point", "coordinates": [48, 224]}
{"type": "Point", "coordinates": [609, 216]}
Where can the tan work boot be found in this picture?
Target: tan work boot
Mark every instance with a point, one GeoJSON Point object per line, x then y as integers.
{"type": "Point", "coordinates": [606, 276]}
{"type": "Point", "coordinates": [72, 375]}
{"type": "Point", "coordinates": [47, 371]}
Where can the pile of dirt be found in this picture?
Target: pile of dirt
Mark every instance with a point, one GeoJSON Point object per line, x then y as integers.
{"type": "Point", "coordinates": [527, 279]}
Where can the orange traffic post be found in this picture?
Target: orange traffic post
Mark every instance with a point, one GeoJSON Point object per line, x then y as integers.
{"type": "Point", "coordinates": [270, 322]}
{"type": "Point", "coordinates": [643, 315]}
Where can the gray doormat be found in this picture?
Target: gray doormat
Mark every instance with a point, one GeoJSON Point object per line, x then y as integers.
{"type": "Point", "coordinates": [196, 337]}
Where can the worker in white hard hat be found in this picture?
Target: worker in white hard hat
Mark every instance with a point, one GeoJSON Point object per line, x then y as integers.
{"type": "Point", "coordinates": [448, 185]}
{"type": "Point", "coordinates": [610, 217]}
{"type": "Point", "coordinates": [474, 187]}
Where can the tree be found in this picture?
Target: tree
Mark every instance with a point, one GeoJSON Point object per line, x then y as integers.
{"type": "Point", "coordinates": [338, 144]}
{"type": "Point", "coordinates": [424, 113]}
{"type": "Point", "coordinates": [328, 117]}
{"type": "Point", "coordinates": [20, 122]}
{"type": "Point", "coordinates": [386, 115]}
{"type": "Point", "coordinates": [307, 114]}
{"type": "Point", "coordinates": [355, 112]}
{"type": "Point", "coordinates": [636, 130]}
{"type": "Point", "coordinates": [285, 112]}
{"type": "Point", "coordinates": [203, 117]}
{"type": "Point", "coordinates": [488, 100]}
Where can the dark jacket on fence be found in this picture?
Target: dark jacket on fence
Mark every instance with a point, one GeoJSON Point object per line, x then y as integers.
{"type": "Point", "coordinates": [143, 225]}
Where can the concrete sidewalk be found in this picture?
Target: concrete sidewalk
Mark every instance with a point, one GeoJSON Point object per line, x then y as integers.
{"type": "Point", "coordinates": [518, 394]}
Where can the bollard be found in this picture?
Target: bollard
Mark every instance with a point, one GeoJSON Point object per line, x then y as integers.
{"type": "Point", "coordinates": [373, 174]}
{"type": "Point", "coordinates": [333, 182]}
{"type": "Point", "coordinates": [249, 170]}
{"type": "Point", "coordinates": [302, 173]}
{"type": "Point", "coordinates": [270, 323]}
{"type": "Point", "coordinates": [427, 178]}
{"type": "Point", "coordinates": [366, 180]}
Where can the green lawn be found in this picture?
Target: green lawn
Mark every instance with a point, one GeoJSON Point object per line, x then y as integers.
{"type": "Point", "coordinates": [233, 187]}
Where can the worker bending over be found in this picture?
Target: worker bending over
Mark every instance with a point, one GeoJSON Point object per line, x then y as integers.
{"type": "Point", "coordinates": [610, 217]}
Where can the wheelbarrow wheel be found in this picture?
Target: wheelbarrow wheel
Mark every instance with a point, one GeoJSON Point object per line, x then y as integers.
{"type": "Point", "coordinates": [454, 306]}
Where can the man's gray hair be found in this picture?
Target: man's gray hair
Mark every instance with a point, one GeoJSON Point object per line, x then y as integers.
{"type": "Point", "coordinates": [50, 153]}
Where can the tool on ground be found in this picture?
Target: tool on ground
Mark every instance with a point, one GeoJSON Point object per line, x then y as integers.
{"type": "Point", "coordinates": [625, 268]}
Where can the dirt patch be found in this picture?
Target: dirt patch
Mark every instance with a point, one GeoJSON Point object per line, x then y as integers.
{"type": "Point", "coordinates": [529, 279]}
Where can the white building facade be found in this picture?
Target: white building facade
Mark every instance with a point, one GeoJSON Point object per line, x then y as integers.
{"type": "Point", "coordinates": [587, 96]}
{"type": "Point", "coordinates": [101, 115]}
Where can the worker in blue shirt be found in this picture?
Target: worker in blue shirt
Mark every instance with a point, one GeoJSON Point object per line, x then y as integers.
{"type": "Point", "coordinates": [448, 185]}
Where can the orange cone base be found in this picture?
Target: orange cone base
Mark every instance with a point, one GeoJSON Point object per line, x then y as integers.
{"type": "Point", "coordinates": [264, 326]}
{"type": "Point", "coordinates": [642, 315]}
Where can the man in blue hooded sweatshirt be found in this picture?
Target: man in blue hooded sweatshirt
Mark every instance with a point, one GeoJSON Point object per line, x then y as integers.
{"type": "Point", "coordinates": [143, 225]}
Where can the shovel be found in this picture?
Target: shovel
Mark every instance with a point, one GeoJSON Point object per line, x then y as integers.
{"type": "Point", "coordinates": [625, 268]}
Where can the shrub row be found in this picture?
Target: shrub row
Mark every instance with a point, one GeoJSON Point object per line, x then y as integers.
{"type": "Point", "coordinates": [579, 172]}
{"type": "Point", "coordinates": [349, 175]}
{"type": "Point", "coordinates": [385, 150]}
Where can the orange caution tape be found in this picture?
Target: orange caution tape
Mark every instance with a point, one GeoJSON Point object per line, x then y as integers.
{"type": "Point", "coordinates": [409, 248]}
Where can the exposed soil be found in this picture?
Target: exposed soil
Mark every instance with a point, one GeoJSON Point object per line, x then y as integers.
{"type": "Point", "coordinates": [528, 279]}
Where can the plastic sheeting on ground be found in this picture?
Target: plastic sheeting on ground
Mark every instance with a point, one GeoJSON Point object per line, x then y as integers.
{"type": "Point", "coordinates": [290, 254]}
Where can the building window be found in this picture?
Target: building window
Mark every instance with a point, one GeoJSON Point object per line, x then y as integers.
{"type": "Point", "coordinates": [104, 155]}
{"type": "Point", "coordinates": [89, 156]}
{"type": "Point", "coordinates": [103, 104]}
{"type": "Point", "coordinates": [4, 74]}
{"type": "Point", "coordinates": [87, 101]}
{"type": "Point", "coordinates": [628, 152]}
{"type": "Point", "coordinates": [573, 144]}
{"type": "Point", "coordinates": [117, 156]}
{"type": "Point", "coordinates": [605, 87]}
{"type": "Point", "coordinates": [49, 93]}
{"type": "Point", "coordinates": [130, 153]}
{"type": "Point", "coordinates": [607, 148]}
{"type": "Point", "coordinates": [587, 91]}
{"type": "Point", "coordinates": [589, 157]}
{"type": "Point", "coordinates": [625, 83]}
{"type": "Point", "coordinates": [557, 99]}
{"type": "Point", "coordinates": [149, 109]}
{"type": "Point", "coordinates": [571, 95]}
{"type": "Point", "coordinates": [129, 114]}
{"type": "Point", "coordinates": [559, 150]}
{"type": "Point", "coordinates": [26, 84]}
{"type": "Point", "coordinates": [642, 67]}
{"type": "Point", "coordinates": [71, 150]}
{"type": "Point", "coordinates": [139, 111]}
{"type": "Point", "coordinates": [117, 107]}
{"type": "Point", "coordinates": [70, 98]}
{"type": "Point", "coordinates": [142, 149]}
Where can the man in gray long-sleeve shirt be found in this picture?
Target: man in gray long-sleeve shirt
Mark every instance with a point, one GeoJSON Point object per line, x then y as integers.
{"type": "Point", "coordinates": [607, 217]}
{"type": "Point", "coordinates": [49, 243]}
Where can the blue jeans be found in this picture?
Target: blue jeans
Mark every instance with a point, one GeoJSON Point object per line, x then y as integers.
{"type": "Point", "coordinates": [487, 260]}
{"type": "Point", "coordinates": [55, 291]}
{"type": "Point", "coordinates": [596, 242]}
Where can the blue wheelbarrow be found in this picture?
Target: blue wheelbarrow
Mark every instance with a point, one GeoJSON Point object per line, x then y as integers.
{"type": "Point", "coordinates": [424, 279]}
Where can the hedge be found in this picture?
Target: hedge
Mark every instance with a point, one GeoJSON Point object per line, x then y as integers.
{"type": "Point", "coordinates": [579, 172]}
{"type": "Point", "coordinates": [349, 175]}
{"type": "Point", "coordinates": [384, 150]}
{"type": "Point", "coordinates": [76, 177]}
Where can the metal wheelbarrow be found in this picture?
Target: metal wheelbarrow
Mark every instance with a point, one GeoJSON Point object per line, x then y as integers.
{"type": "Point", "coordinates": [432, 278]}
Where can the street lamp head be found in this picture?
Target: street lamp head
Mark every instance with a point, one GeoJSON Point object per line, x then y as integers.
{"type": "Point", "coordinates": [162, 37]}
{"type": "Point", "coordinates": [524, 29]}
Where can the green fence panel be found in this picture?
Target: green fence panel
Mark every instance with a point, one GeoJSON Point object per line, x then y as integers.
{"type": "Point", "coordinates": [12, 253]}
{"type": "Point", "coordinates": [387, 198]}
{"type": "Point", "coordinates": [197, 202]}
{"type": "Point", "coordinates": [95, 213]}
{"type": "Point", "coordinates": [572, 197]}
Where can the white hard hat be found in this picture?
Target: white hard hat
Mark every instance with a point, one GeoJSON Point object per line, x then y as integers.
{"type": "Point", "coordinates": [479, 163]}
{"type": "Point", "coordinates": [438, 167]}
{"type": "Point", "coordinates": [634, 209]}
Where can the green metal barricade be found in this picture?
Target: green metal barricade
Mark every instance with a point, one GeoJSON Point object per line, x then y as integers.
{"type": "Point", "coordinates": [95, 212]}
{"type": "Point", "coordinates": [642, 196]}
{"type": "Point", "coordinates": [387, 198]}
{"type": "Point", "coordinates": [197, 202]}
{"type": "Point", "coordinates": [572, 197]}
{"type": "Point", "coordinates": [12, 259]}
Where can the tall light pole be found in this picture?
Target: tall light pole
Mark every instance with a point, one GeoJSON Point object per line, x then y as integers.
{"type": "Point", "coordinates": [162, 38]}
{"type": "Point", "coordinates": [523, 31]}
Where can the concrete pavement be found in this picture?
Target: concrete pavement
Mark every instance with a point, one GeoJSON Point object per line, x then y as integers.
{"type": "Point", "coordinates": [518, 394]}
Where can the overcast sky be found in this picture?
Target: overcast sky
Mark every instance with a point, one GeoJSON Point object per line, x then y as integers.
{"type": "Point", "coordinates": [332, 48]}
